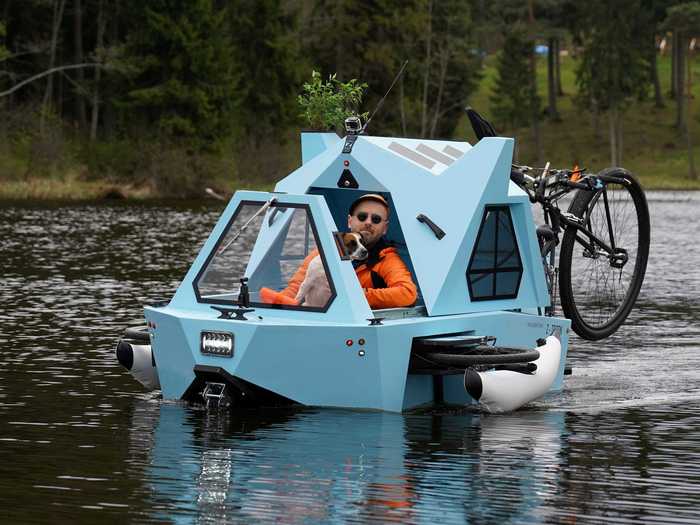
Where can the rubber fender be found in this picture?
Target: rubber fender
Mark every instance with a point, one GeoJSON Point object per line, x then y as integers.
{"type": "Point", "coordinates": [505, 390]}
{"type": "Point", "coordinates": [138, 359]}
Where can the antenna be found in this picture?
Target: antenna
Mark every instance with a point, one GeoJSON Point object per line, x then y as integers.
{"type": "Point", "coordinates": [379, 104]}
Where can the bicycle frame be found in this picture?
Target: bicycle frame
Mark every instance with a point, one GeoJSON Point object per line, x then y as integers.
{"type": "Point", "coordinates": [559, 221]}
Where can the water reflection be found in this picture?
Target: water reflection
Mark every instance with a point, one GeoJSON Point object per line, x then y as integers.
{"type": "Point", "coordinates": [81, 441]}
{"type": "Point", "coordinates": [340, 466]}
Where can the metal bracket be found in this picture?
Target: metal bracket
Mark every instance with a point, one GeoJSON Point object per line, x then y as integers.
{"type": "Point", "coordinates": [214, 393]}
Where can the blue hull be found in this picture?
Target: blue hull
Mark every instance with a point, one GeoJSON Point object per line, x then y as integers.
{"type": "Point", "coordinates": [324, 364]}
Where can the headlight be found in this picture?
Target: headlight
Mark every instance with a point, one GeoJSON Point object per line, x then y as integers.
{"type": "Point", "coordinates": [217, 343]}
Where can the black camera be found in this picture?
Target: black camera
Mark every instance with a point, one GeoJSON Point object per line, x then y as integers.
{"type": "Point", "coordinates": [353, 125]}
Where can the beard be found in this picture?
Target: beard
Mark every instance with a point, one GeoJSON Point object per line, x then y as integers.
{"type": "Point", "coordinates": [369, 238]}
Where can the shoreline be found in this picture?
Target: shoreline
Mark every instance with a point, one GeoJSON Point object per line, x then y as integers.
{"type": "Point", "coordinates": [52, 190]}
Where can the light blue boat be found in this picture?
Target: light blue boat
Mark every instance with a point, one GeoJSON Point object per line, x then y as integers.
{"type": "Point", "coordinates": [462, 227]}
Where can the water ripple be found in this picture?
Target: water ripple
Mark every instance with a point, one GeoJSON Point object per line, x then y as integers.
{"type": "Point", "coordinates": [621, 443]}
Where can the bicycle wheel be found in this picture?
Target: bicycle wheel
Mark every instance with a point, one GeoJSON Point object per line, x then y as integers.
{"type": "Point", "coordinates": [598, 290]}
{"type": "Point", "coordinates": [490, 355]}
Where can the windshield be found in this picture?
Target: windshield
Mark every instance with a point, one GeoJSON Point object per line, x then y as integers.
{"type": "Point", "coordinates": [276, 247]}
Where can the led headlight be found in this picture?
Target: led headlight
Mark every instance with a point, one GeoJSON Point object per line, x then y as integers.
{"type": "Point", "coordinates": [217, 343]}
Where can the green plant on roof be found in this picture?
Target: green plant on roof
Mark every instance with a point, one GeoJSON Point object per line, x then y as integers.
{"type": "Point", "coordinates": [326, 104]}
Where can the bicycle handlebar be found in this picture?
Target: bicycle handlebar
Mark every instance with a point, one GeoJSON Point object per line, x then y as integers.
{"type": "Point", "coordinates": [535, 186]}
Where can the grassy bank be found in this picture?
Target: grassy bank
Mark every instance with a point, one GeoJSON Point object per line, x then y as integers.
{"type": "Point", "coordinates": [653, 148]}
{"type": "Point", "coordinates": [61, 168]}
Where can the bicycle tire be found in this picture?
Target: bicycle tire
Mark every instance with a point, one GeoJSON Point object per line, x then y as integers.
{"type": "Point", "coordinates": [483, 356]}
{"type": "Point", "coordinates": [598, 313]}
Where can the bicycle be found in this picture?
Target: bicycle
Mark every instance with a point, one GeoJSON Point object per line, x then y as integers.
{"type": "Point", "coordinates": [605, 245]}
{"type": "Point", "coordinates": [594, 222]}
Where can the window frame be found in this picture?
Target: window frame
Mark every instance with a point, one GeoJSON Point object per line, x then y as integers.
{"type": "Point", "coordinates": [494, 270]}
{"type": "Point", "coordinates": [254, 304]}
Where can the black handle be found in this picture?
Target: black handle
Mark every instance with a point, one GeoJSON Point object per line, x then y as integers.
{"type": "Point", "coordinates": [243, 294]}
{"type": "Point", "coordinates": [434, 227]}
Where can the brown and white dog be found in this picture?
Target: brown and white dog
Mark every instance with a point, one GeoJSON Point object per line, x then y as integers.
{"type": "Point", "coordinates": [315, 290]}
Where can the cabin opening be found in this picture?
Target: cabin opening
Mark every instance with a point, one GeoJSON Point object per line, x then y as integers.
{"type": "Point", "coordinates": [339, 201]}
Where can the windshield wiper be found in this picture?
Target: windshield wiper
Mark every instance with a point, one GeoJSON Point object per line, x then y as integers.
{"type": "Point", "coordinates": [242, 228]}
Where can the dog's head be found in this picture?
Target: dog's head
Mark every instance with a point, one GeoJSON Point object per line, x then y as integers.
{"type": "Point", "coordinates": [354, 247]}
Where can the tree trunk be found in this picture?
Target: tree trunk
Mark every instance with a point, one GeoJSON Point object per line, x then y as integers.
{"type": "Point", "coordinates": [620, 143]}
{"type": "Point", "coordinates": [680, 81]}
{"type": "Point", "coordinates": [551, 81]}
{"type": "Point", "coordinates": [109, 117]}
{"type": "Point", "coordinates": [534, 106]}
{"type": "Point", "coordinates": [674, 65]}
{"type": "Point", "coordinates": [99, 43]}
{"type": "Point", "coordinates": [557, 69]}
{"type": "Point", "coordinates": [80, 113]}
{"type": "Point", "coordinates": [613, 135]}
{"type": "Point", "coordinates": [654, 71]}
{"type": "Point", "coordinates": [339, 42]}
{"type": "Point", "coordinates": [426, 73]}
{"type": "Point", "coordinates": [444, 62]}
{"type": "Point", "coordinates": [402, 108]}
{"type": "Point", "coordinates": [595, 121]}
{"type": "Point", "coordinates": [9, 102]}
{"type": "Point", "coordinates": [689, 141]}
{"type": "Point", "coordinates": [58, 7]}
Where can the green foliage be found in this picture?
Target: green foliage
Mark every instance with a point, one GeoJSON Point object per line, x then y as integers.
{"type": "Point", "coordinates": [115, 160]}
{"type": "Point", "coordinates": [4, 53]}
{"type": "Point", "coordinates": [185, 80]}
{"type": "Point", "coordinates": [684, 17]}
{"type": "Point", "coordinates": [267, 58]}
{"type": "Point", "coordinates": [512, 99]}
{"type": "Point", "coordinates": [613, 69]}
{"type": "Point", "coordinates": [326, 104]}
{"type": "Point", "coordinates": [370, 39]}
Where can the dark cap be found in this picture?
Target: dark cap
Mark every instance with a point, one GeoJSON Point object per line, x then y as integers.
{"type": "Point", "coordinates": [370, 197]}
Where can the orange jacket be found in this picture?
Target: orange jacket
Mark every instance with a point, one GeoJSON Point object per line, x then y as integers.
{"type": "Point", "coordinates": [396, 290]}
{"type": "Point", "coordinates": [395, 287]}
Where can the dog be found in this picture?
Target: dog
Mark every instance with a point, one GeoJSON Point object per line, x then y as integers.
{"type": "Point", "coordinates": [315, 289]}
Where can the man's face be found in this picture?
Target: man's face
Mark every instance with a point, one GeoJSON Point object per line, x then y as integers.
{"type": "Point", "coordinates": [370, 211]}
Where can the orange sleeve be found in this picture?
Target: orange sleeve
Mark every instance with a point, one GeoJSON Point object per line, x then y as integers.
{"type": "Point", "coordinates": [298, 277]}
{"type": "Point", "coordinates": [400, 289]}
{"type": "Point", "coordinates": [271, 297]}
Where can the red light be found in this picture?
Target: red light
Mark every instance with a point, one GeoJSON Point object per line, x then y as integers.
{"type": "Point", "coordinates": [348, 342]}
{"type": "Point", "coordinates": [346, 163]}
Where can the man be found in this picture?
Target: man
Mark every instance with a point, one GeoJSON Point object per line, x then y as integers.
{"type": "Point", "coordinates": [386, 281]}
{"type": "Point", "coordinates": [384, 277]}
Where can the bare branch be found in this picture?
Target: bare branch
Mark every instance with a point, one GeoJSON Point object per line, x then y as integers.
{"type": "Point", "coordinates": [43, 74]}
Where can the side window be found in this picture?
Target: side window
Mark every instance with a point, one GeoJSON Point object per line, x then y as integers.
{"type": "Point", "coordinates": [495, 267]}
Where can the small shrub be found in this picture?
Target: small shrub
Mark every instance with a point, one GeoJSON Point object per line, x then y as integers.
{"type": "Point", "coordinates": [326, 104]}
{"type": "Point", "coordinates": [121, 160]}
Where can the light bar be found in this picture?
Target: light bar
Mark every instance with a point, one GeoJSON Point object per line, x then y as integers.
{"type": "Point", "coordinates": [217, 343]}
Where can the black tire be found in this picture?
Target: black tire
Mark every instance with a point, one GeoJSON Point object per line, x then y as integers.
{"type": "Point", "coordinates": [138, 334]}
{"type": "Point", "coordinates": [596, 296]}
{"type": "Point", "coordinates": [487, 356]}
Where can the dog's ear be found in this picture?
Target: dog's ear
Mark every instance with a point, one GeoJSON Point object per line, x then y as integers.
{"type": "Point", "coordinates": [341, 241]}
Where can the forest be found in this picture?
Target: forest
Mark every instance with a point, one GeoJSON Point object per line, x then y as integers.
{"type": "Point", "coordinates": [164, 98]}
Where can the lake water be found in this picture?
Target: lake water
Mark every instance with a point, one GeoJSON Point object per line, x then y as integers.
{"type": "Point", "coordinates": [80, 440]}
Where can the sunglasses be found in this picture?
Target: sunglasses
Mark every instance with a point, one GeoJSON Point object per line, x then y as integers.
{"type": "Point", "coordinates": [362, 217]}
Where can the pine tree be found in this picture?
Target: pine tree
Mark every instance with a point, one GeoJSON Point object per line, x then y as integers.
{"type": "Point", "coordinates": [267, 59]}
{"type": "Point", "coordinates": [613, 70]}
{"type": "Point", "coordinates": [369, 40]}
{"type": "Point", "coordinates": [183, 74]}
{"type": "Point", "coordinates": [511, 102]}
